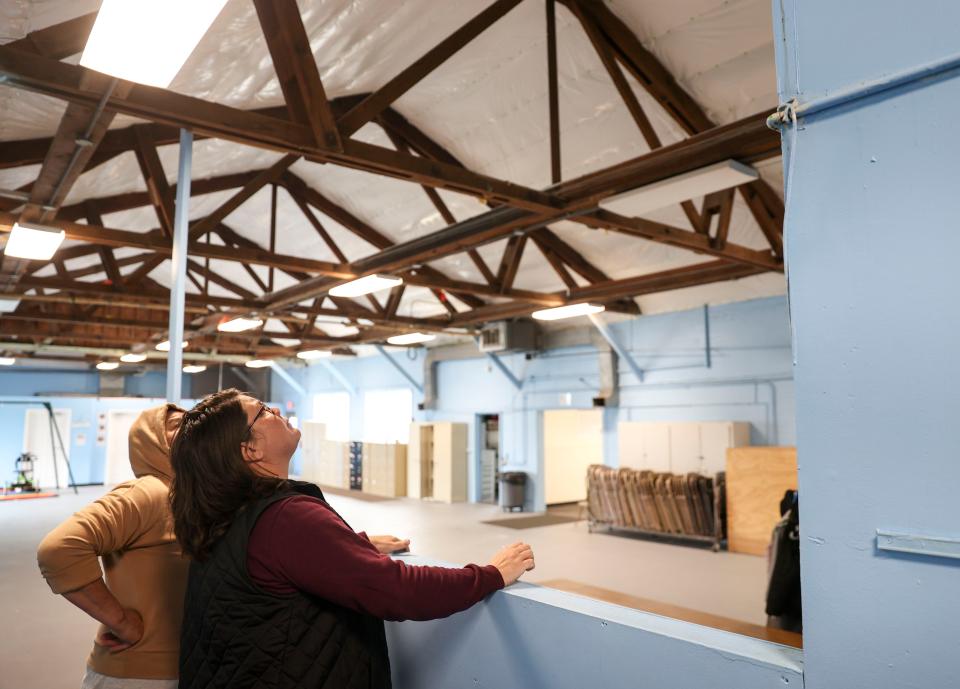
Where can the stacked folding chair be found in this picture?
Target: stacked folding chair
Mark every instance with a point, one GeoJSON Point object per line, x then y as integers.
{"type": "Point", "coordinates": [679, 505]}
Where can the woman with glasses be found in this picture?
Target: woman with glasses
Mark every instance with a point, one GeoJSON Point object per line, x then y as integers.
{"type": "Point", "coordinates": [282, 592]}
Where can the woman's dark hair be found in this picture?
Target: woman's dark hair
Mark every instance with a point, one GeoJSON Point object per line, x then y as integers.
{"type": "Point", "coordinates": [211, 481]}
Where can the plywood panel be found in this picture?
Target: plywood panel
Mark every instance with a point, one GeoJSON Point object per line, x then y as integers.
{"type": "Point", "coordinates": [756, 480]}
{"type": "Point", "coordinates": [572, 441]}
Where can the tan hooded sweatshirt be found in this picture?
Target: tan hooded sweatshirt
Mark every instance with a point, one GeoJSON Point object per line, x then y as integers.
{"type": "Point", "coordinates": [131, 529]}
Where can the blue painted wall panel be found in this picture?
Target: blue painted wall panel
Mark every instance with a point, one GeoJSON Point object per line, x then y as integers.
{"type": "Point", "coordinates": [528, 637]}
{"type": "Point", "coordinates": [871, 244]}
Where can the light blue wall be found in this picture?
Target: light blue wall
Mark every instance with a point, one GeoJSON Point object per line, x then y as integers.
{"type": "Point", "coordinates": [750, 380]}
{"type": "Point", "coordinates": [872, 240]}
{"type": "Point", "coordinates": [527, 637]}
{"type": "Point", "coordinates": [76, 391]}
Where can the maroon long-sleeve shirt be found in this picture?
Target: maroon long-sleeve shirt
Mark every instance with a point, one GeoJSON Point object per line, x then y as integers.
{"type": "Point", "coordinates": [300, 543]}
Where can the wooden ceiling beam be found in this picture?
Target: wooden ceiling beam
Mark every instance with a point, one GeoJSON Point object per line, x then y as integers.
{"type": "Point", "coordinates": [271, 174]}
{"type": "Point", "coordinates": [666, 234]}
{"type": "Point", "coordinates": [377, 102]}
{"type": "Point", "coordinates": [212, 119]}
{"type": "Point", "coordinates": [297, 70]}
{"type": "Point", "coordinates": [137, 199]}
{"type": "Point", "coordinates": [103, 236]}
{"type": "Point", "coordinates": [158, 188]}
{"type": "Point", "coordinates": [60, 40]}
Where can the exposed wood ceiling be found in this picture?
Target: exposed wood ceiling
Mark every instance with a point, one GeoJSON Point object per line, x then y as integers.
{"type": "Point", "coordinates": [125, 308]}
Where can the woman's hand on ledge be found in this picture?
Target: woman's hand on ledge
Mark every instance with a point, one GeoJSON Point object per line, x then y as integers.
{"type": "Point", "coordinates": [390, 544]}
{"type": "Point", "coordinates": [513, 561]}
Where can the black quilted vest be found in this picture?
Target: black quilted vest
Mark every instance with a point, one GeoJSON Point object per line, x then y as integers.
{"type": "Point", "coordinates": [237, 635]}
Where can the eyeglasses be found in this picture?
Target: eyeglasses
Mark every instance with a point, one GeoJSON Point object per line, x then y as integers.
{"type": "Point", "coordinates": [256, 418]}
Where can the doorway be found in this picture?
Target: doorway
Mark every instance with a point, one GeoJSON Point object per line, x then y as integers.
{"type": "Point", "coordinates": [488, 458]}
{"type": "Point", "coordinates": [39, 437]}
{"type": "Point", "coordinates": [118, 467]}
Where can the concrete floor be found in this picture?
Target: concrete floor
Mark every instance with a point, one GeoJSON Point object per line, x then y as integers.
{"type": "Point", "coordinates": [45, 640]}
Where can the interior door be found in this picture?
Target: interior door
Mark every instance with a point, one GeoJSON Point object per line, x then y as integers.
{"type": "Point", "coordinates": [118, 468]}
{"type": "Point", "coordinates": [37, 441]}
{"type": "Point", "coordinates": [572, 441]}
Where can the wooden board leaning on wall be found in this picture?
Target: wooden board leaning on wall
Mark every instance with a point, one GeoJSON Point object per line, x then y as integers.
{"type": "Point", "coordinates": [756, 480]}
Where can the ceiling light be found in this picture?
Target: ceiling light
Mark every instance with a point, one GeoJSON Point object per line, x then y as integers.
{"type": "Point", "coordinates": [285, 341]}
{"type": "Point", "coordinates": [165, 346]}
{"type": "Point", "coordinates": [365, 285]}
{"type": "Point", "coordinates": [7, 361]}
{"type": "Point", "coordinates": [9, 305]}
{"type": "Point", "coordinates": [194, 368]}
{"type": "Point", "coordinates": [238, 325]}
{"type": "Point", "coordinates": [33, 242]}
{"type": "Point", "coordinates": [147, 41]}
{"type": "Point", "coordinates": [108, 365]}
{"type": "Point", "coordinates": [411, 338]}
{"type": "Point", "coordinates": [133, 358]}
{"type": "Point", "coordinates": [570, 311]}
{"type": "Point", "coordinates": [258, 363]}
{"type": "Point", "coordinates": [689, 185]}
{"type": "Point", "coordinates": [314, 354]}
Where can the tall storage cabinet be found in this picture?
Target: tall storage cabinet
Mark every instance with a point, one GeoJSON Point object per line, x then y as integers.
{"type": "Point", "coordinates": [325, 462]}
{"type": "Point", "coordinates": [680, 447]}
{"type": "Point", "coordinates": [385, 469]}
{"type": "Point", "coordinates": [437, 461]}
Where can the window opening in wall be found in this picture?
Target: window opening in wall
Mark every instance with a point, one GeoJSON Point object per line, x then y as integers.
{"type": "Point", "coordinates": [333, 410]}
{"type": "Point", "coordinates": [387, 415]}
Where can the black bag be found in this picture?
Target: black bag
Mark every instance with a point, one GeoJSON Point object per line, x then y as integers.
{"type": "Point", "coordinates": [783, 593]}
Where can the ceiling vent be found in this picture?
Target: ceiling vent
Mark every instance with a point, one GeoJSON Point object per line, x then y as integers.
{"type": "Point", "coordinates": [504, 336]}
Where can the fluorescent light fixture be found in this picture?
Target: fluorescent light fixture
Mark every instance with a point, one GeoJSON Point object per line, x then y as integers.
{"type": "Point", "coordinates": [33, 242]}
{"type": "Point", "coordinates": [570, 311]}
{"type": "Point", "coordinates": [365, 285]}
{"type": "Point", "coordinates": [7, 361]}
{"type": "Point", "coordinates": [194, 368]}
{"type": "Point", "coordinates": [238, 325]}
{"type": "Point", "coordinates": [314, 354]}
{"type": "Point", "coordinates": [9, 305]}
{"type": "Point", "coordinates": [689, 185]}
{"type": "Point", "coordinates": [133, 358]}
{"type": "Point", "coordinates": [147, 41]}
{"type": "Point", "coordinates": [165, 346]}
{"type": "Point", "coordinates": [257, 363]}
{"type": "Point", "coordinates": [411, 338]}
{"type": "Point", "coordinates": [285, 341]}
{"type": "Point", "coordinates": [108, 365]}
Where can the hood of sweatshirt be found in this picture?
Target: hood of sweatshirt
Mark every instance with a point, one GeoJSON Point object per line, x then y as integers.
{"type": "Point", "coordinates": [150, 438]}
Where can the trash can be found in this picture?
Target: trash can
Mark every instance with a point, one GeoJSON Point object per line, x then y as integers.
{"type": "Point", "coordinates": [513, 485]}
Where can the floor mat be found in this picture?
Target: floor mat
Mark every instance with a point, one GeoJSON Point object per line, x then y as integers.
{"type": "Point", "coordinates": [533, 521]}
{"type": "Point", "coordinates": [26, 496]}
{"type": "Point", "coordinates": [358, 494]}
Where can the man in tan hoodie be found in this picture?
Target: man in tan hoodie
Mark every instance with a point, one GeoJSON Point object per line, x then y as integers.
{"type": "Point", "coordinates": [140, 604]}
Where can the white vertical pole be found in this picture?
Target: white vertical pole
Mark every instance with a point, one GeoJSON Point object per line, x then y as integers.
{"type": "Point", "coordinates": [178, 277]}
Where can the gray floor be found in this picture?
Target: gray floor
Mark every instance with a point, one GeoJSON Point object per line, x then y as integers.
{"type": "Point", "coordinates": [45, 640]}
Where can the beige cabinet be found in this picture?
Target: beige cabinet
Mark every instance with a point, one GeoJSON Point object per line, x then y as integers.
{"type": "Point", "coordinates": [679, 447]}
{"type": "Point", "coordinates": [385, 469]}
{"type": "Point", "coordinates": [437, 461]}
{"type": "Point", "coordinates": [324, 462]}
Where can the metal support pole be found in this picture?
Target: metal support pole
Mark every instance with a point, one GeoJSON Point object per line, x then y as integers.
{"type": "Point", "coordinates": [615, 346]}
{"type": "Point", "coordinates": [342, 379]}
{"type": "Point", "coordinates": [706, 332]}
{"type": "Point", "coordinates": [178, 278]}
{"type": "Point", "coordinates": [290, 380]}
{"type": "Point", "coordinates": [401, 369]}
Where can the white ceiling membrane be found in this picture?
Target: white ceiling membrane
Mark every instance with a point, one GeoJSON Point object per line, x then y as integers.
{"type": "Point", "coordinates": [487, 105]}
